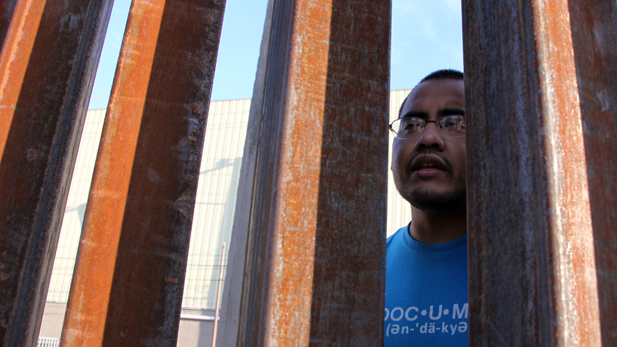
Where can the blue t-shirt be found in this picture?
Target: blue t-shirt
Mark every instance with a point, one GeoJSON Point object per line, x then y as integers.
{"type": "Point", "coordinates": [426, 292]}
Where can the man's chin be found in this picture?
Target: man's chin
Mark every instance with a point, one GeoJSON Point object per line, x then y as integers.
{"type": "Point", "coordinates": [443, 202]}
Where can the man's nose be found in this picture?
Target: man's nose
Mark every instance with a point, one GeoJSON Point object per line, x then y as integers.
{"type": "Point", "coordinates": [431, 138]}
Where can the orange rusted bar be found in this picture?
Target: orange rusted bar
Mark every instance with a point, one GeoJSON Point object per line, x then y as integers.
{"type": "Point", "coordinates": [594, 36]}
{"type": "Point", "coordinates": [531, 267]}
{"type": "Point", "coordinates": [316, 244]}
{"type": "Point", "coordinates": [129, 276]}
{"type": "Point", "coordinates": [47, 66]}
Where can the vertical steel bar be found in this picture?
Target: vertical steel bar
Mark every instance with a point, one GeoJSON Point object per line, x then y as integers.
{"type": "Point", "coordinates": [594, 36]}
{"type": "Point", "coordinates": [316, 244]}
{"type": "Point", "coordinates": [532, 268]}
{"type": "Point", "coordinates": [47, 67]}
{"type": "Point", "coordinates": [128, 281]}
{"type": "Point", "coordinates": [232, 291]}
{"type": "Point", "coordinates": [218, 298]}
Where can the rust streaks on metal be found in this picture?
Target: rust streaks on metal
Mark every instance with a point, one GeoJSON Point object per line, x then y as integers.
{"type": "Point", "coordinates": [14, 61]}
{"type": "Point", "coordinates": [594, 36]}
{"type": "Point", "coordinates": [129, 277]}
{"type": "Point", "coordinates": [572, 239]}
{"type": "Point", "coordinates": [47, 68]}
{"type": "Point", "coordinates": [86, 313]}
{"type": "Point", "coordinates": [532, 268]}
{"type": "Point", "coordinates": [317, 230]}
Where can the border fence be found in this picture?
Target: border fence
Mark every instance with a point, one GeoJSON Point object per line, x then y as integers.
{"type": "Point", "coordinates": [541, 89]}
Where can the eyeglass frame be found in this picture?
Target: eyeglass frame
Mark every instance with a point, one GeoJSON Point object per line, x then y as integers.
{"type": "Point", "coordinates": [423, 125]}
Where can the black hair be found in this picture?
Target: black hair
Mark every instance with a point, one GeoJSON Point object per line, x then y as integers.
{"type": "Point", "coordinates": [444, 74]}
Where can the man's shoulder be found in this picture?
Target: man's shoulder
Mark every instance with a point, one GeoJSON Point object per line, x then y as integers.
{"type": "Point", "coordinates": [397, 236]}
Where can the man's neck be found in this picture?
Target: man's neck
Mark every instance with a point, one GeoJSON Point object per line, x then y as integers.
{"type": "Point", "coordinates": [437, 227]}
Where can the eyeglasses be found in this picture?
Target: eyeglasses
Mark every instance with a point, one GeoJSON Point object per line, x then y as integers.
{"type": "Point", "coordinates": [408, 127]}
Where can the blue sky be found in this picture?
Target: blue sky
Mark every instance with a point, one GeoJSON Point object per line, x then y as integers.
{"type": "Point", "coordinates": [426, 36]}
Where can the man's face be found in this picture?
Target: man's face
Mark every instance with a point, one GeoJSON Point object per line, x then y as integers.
{"type": "Point", "coordinates": [430, 169]}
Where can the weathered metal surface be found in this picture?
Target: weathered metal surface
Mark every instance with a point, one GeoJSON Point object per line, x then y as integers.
{"type": "Point", "coordinates": [47, 68]}
{"type": "Point", "coordinates": [218, 299]}
{"type": "Point", "coordinates": [128, 281]}
{"type": "Point", "coordinates": [315, 257]}
{"type": "Point", "coordinates": [532, 269]}
{"type": "Point", "coordinates": [232, 291]}
{"type": "Point", "coordinates": [7, 8]}
{"type": "Point", "coordinates": [594, 36]}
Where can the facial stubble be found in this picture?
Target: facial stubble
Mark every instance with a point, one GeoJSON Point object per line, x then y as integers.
{"type": "Point", "coordinates": [432, 201]}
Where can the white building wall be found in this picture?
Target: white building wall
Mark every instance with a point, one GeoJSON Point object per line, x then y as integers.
{"type": "Point", "coordinates": [399, 211]}
{"type": "Point", "coordinates": [216, 200]}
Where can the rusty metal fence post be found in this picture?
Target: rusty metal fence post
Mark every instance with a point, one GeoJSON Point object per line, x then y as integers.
{"type": "Point", "coordinates": [594, 36]}
{"type": "Point", "coordinates": [230, 307]}
{"type": "Point", "coordinates": [128, 280]}
{"type": "Point", "coordinates": [541, 91]}
{"type": "Point", "coordinates": [315, 256]}
{"type": "Point", "coordinates": [47, 66]}
{"type": "Point", "coordinates": [531, 245]}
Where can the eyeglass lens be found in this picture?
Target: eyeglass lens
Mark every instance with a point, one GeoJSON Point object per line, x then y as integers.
{"type": "Point", "coordinates": [411, 126]}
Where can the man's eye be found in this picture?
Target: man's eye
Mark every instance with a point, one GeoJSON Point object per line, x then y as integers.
{"type": "Point", "coordinates": [410, 125]}
{"type": "Point", "coordinates": [450, 124]}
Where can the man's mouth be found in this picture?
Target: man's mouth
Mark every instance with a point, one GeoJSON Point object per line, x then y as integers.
{"type": "Point", "coordinates": [428, 164]}
{"type": "Point", "coordinates": [428, 168]}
